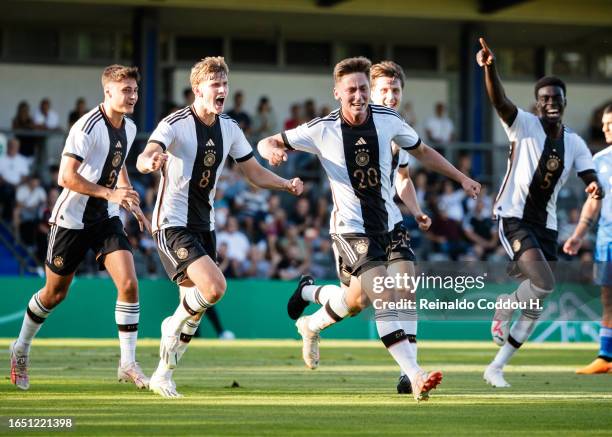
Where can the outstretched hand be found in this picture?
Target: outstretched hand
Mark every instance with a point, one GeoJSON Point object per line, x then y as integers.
{"type": "Point", "coordinates": [485, 55]}
{"type": "Point", "coordinates": [471, 188]}
{"type": "Point", "coordinates": [295, 186]}
{"type": "Point", "coordinates": [423, 221]}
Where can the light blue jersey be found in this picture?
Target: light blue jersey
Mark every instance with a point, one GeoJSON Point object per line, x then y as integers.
{"type": "Point", "coordinates": [603, 166]}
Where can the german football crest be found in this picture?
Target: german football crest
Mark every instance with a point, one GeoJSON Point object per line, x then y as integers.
{"type": "Point", "coordinates": [58, 262]}
{"type": "Point", "coordinates": [209, 159]}
{"type": "Point", "coordinates": [516, 245]}
{"type": "Point", "coordinates": [361, 246]}
{"type": "Point", "coordinates": [117, 159]}
{"type": "Point", "coordinates": [362, 158]}
{"type": "Point", "coordinates": [553, 163]}
{"type": "Point", "coordinates": [182, 253]}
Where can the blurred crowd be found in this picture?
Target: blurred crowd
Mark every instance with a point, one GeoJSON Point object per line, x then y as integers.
{"type": "Point", "coordinates": [264, 234]}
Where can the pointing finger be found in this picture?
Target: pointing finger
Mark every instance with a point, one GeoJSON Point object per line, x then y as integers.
{"type": "Point", "coordinates": [483, 44]}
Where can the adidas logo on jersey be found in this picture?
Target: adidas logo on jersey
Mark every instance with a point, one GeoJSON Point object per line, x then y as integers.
{"type": "Point", "coordinates": [361, 142]}
{"type": "Point", "coordinates": [118, 145]}
{"type": "Point", "coordinates": [210, 143]}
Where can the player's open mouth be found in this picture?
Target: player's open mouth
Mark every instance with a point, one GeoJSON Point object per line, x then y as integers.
{"type": "Point", "coordinates": [219, 101]}
{"type": "Point", "coordinates": [553, 113]}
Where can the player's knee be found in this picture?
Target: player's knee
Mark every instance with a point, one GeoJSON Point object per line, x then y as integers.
{"type": "Point", "coordinates": [51, 296]}
{"type": "Point", "coordinates": [129, 288]}
{"type": "Point", "coordinates": [217, 288]}
{"type": "Point", "coordinates": [544, 282]}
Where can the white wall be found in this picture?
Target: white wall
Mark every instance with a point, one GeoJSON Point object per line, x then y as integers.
{"type": "Point", "coordinates": [581, 100]}
{"type": "Point", "coordinates": [286, 88]}
{"type": "Point", "coordinates": [62, 84]}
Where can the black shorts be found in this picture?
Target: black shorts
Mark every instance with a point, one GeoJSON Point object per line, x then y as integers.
{"type": "Point", "coordinates": [178, 247]}
{"type": "Point", "coordinates": [356, 253]}
{"type": "Point", "coordinates": [400, 249]}
{"type": "Point", "coordinates": [67, 248]}
{"type": "Point", "coordinates": [517, 236]}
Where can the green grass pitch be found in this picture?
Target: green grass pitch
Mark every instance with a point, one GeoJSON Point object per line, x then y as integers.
{"type": "Point", "coordinates": [352, 393]}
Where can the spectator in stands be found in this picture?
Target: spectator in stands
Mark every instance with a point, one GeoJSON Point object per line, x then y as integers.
{"type": "Point", "coordinates": [451, 201]}
{"type": "Point", "coordinates": [253, 206]}
{"type": "Point", "coordinates": [80, 109]}
{"type": "Point", "coordinates": [446, 234]}
{"type": "Point", "coordinates": [295, 117]}
{"type": "Point", "coordinates": [439, 128]}
{"type": "Point", "coordinates": [264, 121]}
{"type": "Point", "coordinates": [42, 231]}
{"type": "Point", "coordinates": [46, 118]}
{"type": "Point", "coordinates": [301, 216]}
{"type": "Point", "coordinates": [13, 170]}
{"type": "Point", "coordinates": [408, 114]}
{"type": "Point", "coordinates": [291, 266]}
{"type": "Point", "coordinates": [324, 111]}
{"type": "Point", "coordinates": [31, 199]}
{"type": "Point", "coordinates": [323, 264]}
{"type": "Point", "coordinates": [188, 97]}
{"type": "Point", "coordinates": [239, 114]}
{"type": "Point", "coordinates": [256, 265]}
{"type": "Point", "coordinates": [237, 242]}
{"type": "Point", "coordinates": [420, 185]}
{"type": "Point", "coordinates": [23, 121]}
{"type": "Point", "coordinates": [480, 231]}
{"type": "Point", "coordinates": [310, 111]}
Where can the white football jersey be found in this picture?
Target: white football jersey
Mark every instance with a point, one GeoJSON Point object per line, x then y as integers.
{"type": "Point", "coordinates": [101, 149]}
{"type": "Point", "coordinates": [538, 167]}
{"type": "Point", "coordinates": [196, 155]}
{"type": "Point", "coordinates": [358, 161]}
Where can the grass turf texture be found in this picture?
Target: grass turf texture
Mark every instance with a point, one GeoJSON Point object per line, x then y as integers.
{"type": "Point", "coordinates": [352, 393]}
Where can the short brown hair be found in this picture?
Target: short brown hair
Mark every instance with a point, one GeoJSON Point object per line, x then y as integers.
{"type": "Point", "coordinates": [388, 69]}
{"type": "Point", "coordinates": [207, 67]}
{"type": "Point", "coordinates": [352, 65]}
{"type": "Point", "coordinates": [117, 73]}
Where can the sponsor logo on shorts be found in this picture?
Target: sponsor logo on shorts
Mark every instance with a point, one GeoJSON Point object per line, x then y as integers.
{"type": "Point", "coordinates": [361, 246]}
{"type": "Point", "coordinates": [58, 262]}
{"type": "Point", "coordinates": [182, 253]}
{"type": "Point", "coordinates": [516, 245]}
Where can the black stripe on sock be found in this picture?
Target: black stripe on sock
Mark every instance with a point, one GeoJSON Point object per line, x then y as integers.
{"type": "Point", "coordinates": [331, 313]}
{"type": "Point", "coordinates": [411, 338]}
{"type": "Point", "coordinates": [35, 318]}
{"type": "Point", "coordinates": [185, 338]}
{"type": "Point", "coordinates": [40, 305]}
{"type": "Point", "coordinates": [201, 300]}
{"type": "Point", "coordinates": [316, 294]}
{"type": "Point", "coordinates": [188, 309]}
{"type": "Point", "coordinates": [393, 338]}
{"type": "Point", "coordinates": [132, 327]}
{"type": "Point", "coordinates": [605, 358]}
{"type": "Point", "coordinates": [515, 344]}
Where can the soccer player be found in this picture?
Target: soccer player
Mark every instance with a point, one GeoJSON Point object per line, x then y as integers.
{"type": "Point", "coordinates": [86, 216]}
{"type": "Point", "coordinates": [603, 248]}
{"type": "Point", "coordinates": [190, 147]}
{"type": "Point", "coordinates": [543, 153]}
{"type": "Point", "coordinates": [353, 144]}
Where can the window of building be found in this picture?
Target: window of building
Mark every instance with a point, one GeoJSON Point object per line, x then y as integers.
{"type": "Point", "coordinates": [251, 51]}
{"type": "Point", "coordinates": [568, 63]}
{"type": "Point", "coordinates": [85, 46]}
{"type": "Point", "coordinates": [33, 44]}
{"type": "Point", "coordinates": [603, 65]}
{"type": "Point", "coordinates": [416, 58]}
{"type": "Point", "coordinates": [190, 48]}
{"type": "Point", "coordinates": [308, 53]}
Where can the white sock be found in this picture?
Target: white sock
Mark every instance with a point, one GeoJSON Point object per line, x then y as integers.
{"type": "Point", "coordinates": [397, 343]}
{"type": "Point", "coordinates": [320, 293]}
{"type": "Point", "coordinates": [408, 322]}
{"type": "Point", "coordinates": [127, 316]}
{"type": "Point", "coordinates": [163, 371]}
{"type": "Point", "coordinates": [188, 331]}
{"type": "Point", "coordinates": [332, 312]}
{"type": "Point", "coordinates": [193, 303]}
{"type": "Point", "coordinates": [36, 314]}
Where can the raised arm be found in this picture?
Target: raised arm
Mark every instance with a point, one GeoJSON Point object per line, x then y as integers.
{"type": "Point", "coordinates": [432, 160]}
{"type": "Point", "coordinates": [407, 193]}
{"type": "Point", "coordinates": [273, 149]}
{"type": "Point", "coordinates": [264, 178]}
{"type": "Point", "coordinates": [152, 158]}
{"type": "Point", "coordinates": [70, 178]}
{"type": "Point", "coordinates": [503, 105]}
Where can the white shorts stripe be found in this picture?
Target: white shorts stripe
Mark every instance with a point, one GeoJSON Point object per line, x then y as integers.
{"type": "Point", "coordinates": [52, 233]}
{"type": "Point", "coordinates": [161, 243]}
{"type": "Point", "coordinates": [352, 257]}
{"type": "Point", "coordinates": [504, 240]}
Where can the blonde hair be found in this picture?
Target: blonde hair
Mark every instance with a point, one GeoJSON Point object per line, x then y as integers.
{"type": "Point", "coordinates": [388, 69]}
{"type": "Point", "coordinates": [352, 65]}
{"type": "Point", "coordinates": [206, 68]}
{"type": "Point", "coordinates": [117, 73]}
